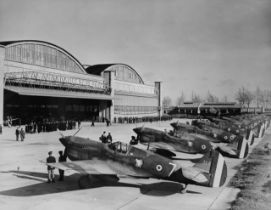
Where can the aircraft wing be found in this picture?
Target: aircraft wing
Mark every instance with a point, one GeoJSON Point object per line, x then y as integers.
{"type": "Point", "coordinates": [85, 167]}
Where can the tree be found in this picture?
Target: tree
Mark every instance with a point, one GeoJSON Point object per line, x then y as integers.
{"type": "Point", "coordinates": [180, 99]}
{"type": "Point", "coordinates": [249, 97]}
{"type": "Point", "coordinates": [225, 99]}
{"type": "Point", "coordinates": [211, 98]}
{"type": "Point", "coordinates": [196, 98]}
{"type": "Point", "coordinates": [167, 102]}
{"type": "Point", "coordinates": [244, 96]}
{"type": "Point", "coordinates": [258, 96]}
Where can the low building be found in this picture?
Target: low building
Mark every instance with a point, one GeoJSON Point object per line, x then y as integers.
{"type": "Point", "coordinates": [206, 108]}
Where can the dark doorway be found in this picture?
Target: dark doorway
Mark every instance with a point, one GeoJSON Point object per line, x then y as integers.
{"type": "Point", "coordinates": [40, 108]}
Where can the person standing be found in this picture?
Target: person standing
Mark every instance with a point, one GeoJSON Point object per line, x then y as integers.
{"type": "Point", "coordinates": [92, 122]}
{"type": "Point", "coordinates": [103, 137]}
{"type": "Point", "coordinates": [133, 141]}
{"type": "Point", "coordinates": [50, 169]}
{"type": "Point", "coordinates": [17, 132]}
{"type": "Point", "coordinates": [109, 138]}
{"type": "Point", "coordinates": [62, 158]}
{"type": "Point", "coordinates": [22, 134]}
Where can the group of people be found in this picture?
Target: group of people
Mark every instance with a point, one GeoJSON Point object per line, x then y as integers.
{"type": "Point", "coordinates": [20, 134]}
{"type": "Point", "coordinates": [141, 119]}
{"type": "Point", "coordinates": [106, 139]}
{"type": "Point", "coordinates": [48, 126]}
{"type": "Point", "coordinates": [50, 169]}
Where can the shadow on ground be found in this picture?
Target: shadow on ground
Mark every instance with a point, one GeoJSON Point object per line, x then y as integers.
{"type": "Point", "coordinates": [161, 188]}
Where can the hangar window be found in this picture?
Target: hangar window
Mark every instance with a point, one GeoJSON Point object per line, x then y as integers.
{"type": "Point", "coordinates": [42, 55]}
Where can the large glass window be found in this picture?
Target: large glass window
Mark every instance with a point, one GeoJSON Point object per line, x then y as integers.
{"type": "Point", "coordinates": [42, 55]}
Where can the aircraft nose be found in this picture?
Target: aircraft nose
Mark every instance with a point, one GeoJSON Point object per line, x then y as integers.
{"type": "Point", "coordinates": [137, 130]}
{"type": "Point", "coordinates": [174, 125]}
{"type": "Point", "coordinates": [64, 141]}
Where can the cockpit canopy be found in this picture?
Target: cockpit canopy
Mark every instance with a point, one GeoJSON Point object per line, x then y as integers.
{"type": "Point", "coordinates": [119, 147]}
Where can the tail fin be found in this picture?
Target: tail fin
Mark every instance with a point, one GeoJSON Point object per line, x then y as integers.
{"type": "Point", "coordinates": [249, 136]}
{"type": "Point", "coordinates": [242, 148]}
{"type": "Point", "coordinates": [214, 167]}
{"type": "Point", "coordinates": [218, 170]}
{"type": "Point", "coordinates": [261, 133]}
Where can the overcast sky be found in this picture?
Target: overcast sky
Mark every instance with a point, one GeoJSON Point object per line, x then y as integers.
{"type": "Point", "coordinates": [190, 45]}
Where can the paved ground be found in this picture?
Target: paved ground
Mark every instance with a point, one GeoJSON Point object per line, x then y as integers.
{"type": "Point", "coordinates": [23, 179]}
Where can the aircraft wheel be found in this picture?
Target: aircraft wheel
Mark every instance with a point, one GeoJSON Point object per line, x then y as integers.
{"type": "Point", "coordinates": [183, 188]}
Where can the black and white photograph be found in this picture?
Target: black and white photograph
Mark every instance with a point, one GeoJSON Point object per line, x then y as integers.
{"type": "Point", "coordinates": [135, 104]}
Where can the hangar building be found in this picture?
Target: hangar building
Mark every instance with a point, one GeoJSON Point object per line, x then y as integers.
{"type": "Point", "coordinates": [44, 81]}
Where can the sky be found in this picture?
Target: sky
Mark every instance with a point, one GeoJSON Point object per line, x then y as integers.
{"type": "Point", "coordinates": [190, 45]}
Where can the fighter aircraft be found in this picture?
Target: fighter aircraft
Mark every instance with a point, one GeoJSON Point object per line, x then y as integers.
{"type": "Point", "coordinates": [237, 128]}
{"type": "Point", "coordinates": [228, 144]}
{"type": "Point", "coordinates": [97, 160]}
{"type": "Point", "coordinates": [199, 127]}
{"type": "Point", "coordinates": [159, 142]}
{"type": "Point", "coordinates": [164, 143]}
{"type": "Point", "coordinates": [227, 126]}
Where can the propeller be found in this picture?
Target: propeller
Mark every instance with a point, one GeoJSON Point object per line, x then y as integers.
{"type": "Point", "coordinates": [77, 131]}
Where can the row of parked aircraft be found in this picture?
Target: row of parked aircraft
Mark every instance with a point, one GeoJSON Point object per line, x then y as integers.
{"type": "Point", "coordinates": [206, 141]}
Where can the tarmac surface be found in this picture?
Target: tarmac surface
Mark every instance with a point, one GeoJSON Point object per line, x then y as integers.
{"type": "Point", "coordinates": [23, 178]}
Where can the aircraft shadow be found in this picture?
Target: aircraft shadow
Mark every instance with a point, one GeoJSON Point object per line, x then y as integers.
{"type": "Point", "coordinates": [70, 183]}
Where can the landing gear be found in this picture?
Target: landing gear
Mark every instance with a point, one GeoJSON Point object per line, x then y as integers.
{"type": "Point", "coordinates": [183, 188]}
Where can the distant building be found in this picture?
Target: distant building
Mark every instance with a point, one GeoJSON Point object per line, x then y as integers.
{"type": "Point", "coordinates": [206, 108]}
{"type": "Point", "coordinates": [44, 81]}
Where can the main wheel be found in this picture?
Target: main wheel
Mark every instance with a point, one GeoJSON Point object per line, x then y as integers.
{"type": "Point", "coordinates": [183, 188]}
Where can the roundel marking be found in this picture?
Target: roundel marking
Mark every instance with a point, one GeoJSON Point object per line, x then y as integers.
{"type": "Point", "coordinates": [225, 137]}
{"type": "Point", "coordinates": [203, 146]}
{"type": "Point", "coordinates": [232, 137]}
{"type": "Point", "coordinates": [159, 168]}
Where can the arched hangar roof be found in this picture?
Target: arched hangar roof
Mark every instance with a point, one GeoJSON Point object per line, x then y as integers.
{"type": "Point", "coordinates": [122, 71]}
{"type": "Point", "coordinates": [19, 42]}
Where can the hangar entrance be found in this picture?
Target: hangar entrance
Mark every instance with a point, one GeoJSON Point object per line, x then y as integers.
{"type": "Point", "coordinates": [27, 108]}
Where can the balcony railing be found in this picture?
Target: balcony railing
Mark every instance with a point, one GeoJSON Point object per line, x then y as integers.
{"type": "Point", "coordinates": [49, 80]}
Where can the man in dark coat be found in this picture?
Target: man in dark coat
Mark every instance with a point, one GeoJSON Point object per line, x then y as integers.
{"type": "Point", "coordinates": [17, 132]}
{"type": "Point", "coordinates": [50, 169]}
{"type": "Point", "coordinates": [103, 137]}
{"type": "Point", "coordinates": [109, 138]}
{"type": "Point", "coordinates": [22, 134]}
{"type": "Point", "coordinates": [62, 158]}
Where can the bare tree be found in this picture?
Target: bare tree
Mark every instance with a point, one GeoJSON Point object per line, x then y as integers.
{"type": "Point", "coordinates": [211, 98]}
{"type": "Point", "coordinates": [180, 99]}
{"type": "Point", "coordinates": [244, 96]}
{"type": "Point", "coordinates": [240, 96]}
{"type": "Point", "coordinates": [225, 99]}
{"type": "Point", "coordinates": [196, 98]}
{"type": "Point", "coordinates": [167, 102]}
{"type": "Point", "coordinates": [249, 97]}
{"type": "Point", "coordinates": [258, 96]}
{"type": "Point", "coordinates": [265, 98]}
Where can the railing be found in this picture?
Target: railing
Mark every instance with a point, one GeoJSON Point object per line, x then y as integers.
{"type": "Point", "coordinates": [48, 80]}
